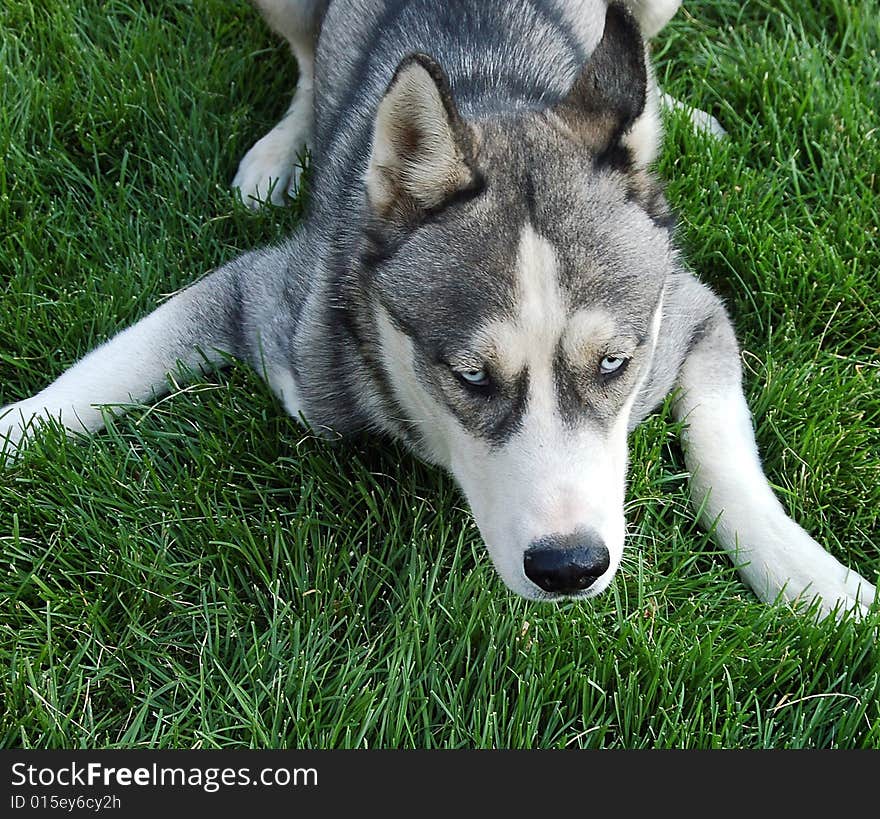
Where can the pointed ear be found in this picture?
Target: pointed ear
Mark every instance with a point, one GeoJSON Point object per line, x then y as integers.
{"type": "Point", "coordinates": [423, 151]}
{"type": "Point", "coordinates": [609, 95]}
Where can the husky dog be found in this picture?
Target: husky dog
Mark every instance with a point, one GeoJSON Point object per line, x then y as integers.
{"type": "Point", "coordinates": [487, 273]}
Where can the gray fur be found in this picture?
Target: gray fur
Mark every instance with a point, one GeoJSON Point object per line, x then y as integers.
{"type": "Point", "coordinates": [521, 151]}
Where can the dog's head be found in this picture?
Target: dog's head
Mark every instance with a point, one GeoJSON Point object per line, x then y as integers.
{"type": "Point", "coordinates": [514, 267]}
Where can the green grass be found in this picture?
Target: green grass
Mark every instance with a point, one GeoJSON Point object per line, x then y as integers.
{"type": "Point", "coordinates": [205, 574]}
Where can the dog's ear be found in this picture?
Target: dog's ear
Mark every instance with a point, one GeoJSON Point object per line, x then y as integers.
{"type": "Point", "coordinates": [610, 93]}
{"type": "Point", "coordinates": [423, 151]}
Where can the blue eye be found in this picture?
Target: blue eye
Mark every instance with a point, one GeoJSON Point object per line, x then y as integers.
{"type": "Point", "coordinates": [474, 378]}
{"type": "Point", "coordinates": [612, 364]}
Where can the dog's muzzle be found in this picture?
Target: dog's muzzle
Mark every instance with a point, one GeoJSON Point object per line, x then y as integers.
{"type": "Point", "coordinates": [566, 564]}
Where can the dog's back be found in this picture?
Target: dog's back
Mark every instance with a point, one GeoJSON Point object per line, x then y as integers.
{"type": "Point", "coordinates": [499, 56]}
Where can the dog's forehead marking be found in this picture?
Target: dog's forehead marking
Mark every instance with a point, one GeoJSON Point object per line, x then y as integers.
{"type": "Point", "coordinates": [541, 305]}
{"type": "Point", "coordinates": [543, 315]}
{"type": "Point", "coordinates": [527, 338]}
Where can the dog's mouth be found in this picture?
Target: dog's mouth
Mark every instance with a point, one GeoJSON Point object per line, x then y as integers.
{"type": "Point", "coordinates": [533, 592]}
{"type": "Point", "coordinates": [541, 596]}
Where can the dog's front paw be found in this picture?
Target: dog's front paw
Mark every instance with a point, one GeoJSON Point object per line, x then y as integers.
{"type": "Point", "coordinates": [270, 170]}
{"type": "Point", "coordinates": [16, 424]}
{"type": "Point", "coordinates": [840, 592]}
{"type": "Point", "coordinates": [800, 571]}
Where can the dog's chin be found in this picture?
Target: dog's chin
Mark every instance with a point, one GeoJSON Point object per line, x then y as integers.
{"type": "Point", "coordinates": [523, 587]}
{"type": "Point", "coordinates": [540, 596]}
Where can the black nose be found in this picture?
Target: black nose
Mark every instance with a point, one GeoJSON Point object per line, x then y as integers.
{"type": "Point", "coordinates": [565, 565]}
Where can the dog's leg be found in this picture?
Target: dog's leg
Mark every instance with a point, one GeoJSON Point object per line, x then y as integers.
{"type": "Point", "coordinates": [775, 556]}
{"type": "Point", "coordinates": [652, 16]}
{"type": "Point", "coordinates": [270, 169]}
{"type": "Point", "coordinates": [200, 326]}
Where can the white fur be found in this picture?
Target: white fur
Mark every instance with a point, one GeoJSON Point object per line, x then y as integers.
{"type": "Point", "coordinates": [130, 368]}
{"type": "Point", "coordinates": [587, 20]}
{"type": "Point", "coordinates": [529, 339]}
{"type": "Point", "coordinates": [271, 169]}
{"type": "Point", "coordinates": [432, 421]}
{"type": "Point", "coordinates": [653, 15]}
{"type": "Point", "coordinates": [700, 119]}
{"type": "Point", "coordinates": [775, 556]}
{"type": "Point", "coordinates": [547, 479]}
{"type": "Point", "coordinates": [272, 164]}
{"type": "Point", "coordinates": [645, 136]}
{"type": "Point", "coordinates": [587, 331]}
{"type": "Point", "coordinates": [285, 387]}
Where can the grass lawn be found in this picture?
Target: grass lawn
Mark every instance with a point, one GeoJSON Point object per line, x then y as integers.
{"type": "Point", "coordinates": [205, 574]}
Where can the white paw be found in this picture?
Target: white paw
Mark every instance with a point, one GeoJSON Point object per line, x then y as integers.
{"type": "Point", "coordinates": [270, 170]}
{"type": "Point", "coordinates": [20, 423]}
{"type": "Point", "coordinates": [706, 122]}
{"type": "Point", "coordinates": [16, 425]}
{"type": "Point", "coordinates": [800, 571]}
{"type": "Point", "coordinates": [839, 591]}
{"type": "Point", "coordinates": [700, 119]}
